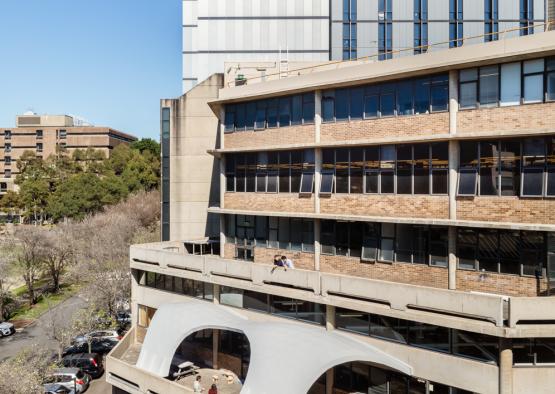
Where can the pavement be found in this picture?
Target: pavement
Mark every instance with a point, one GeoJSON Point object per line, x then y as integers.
{"type": "Point", "coordinates": [38, 332]}
{"type": "Point", "coordinates": [99, 386]}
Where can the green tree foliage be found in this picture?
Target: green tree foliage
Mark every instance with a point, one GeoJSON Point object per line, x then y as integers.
{"type": "Point", "coordinates": [10, 202]}
{"type": "Point", "coordinates": [83, 182]}
{"type": "Point", "coordinates": [147, 145]}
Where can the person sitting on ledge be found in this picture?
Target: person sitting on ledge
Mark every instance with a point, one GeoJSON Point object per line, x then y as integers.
{"type": "Point", "coordinates": [287, 263]}
{"type": "Point", "coordinates": [278, 262]}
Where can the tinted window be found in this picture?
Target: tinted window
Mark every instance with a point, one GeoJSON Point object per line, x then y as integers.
{"type": "Point", "coordinates": [342, 104]}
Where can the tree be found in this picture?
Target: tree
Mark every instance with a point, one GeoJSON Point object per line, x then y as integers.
{"type": "Point", "coordinates": [147, 145]}
{"type": "Point", "coordinates": [28, 258]}
{"type": "Point", "coordinates": [11, 202]}
{"type": "Point", "coordinates": [58, 252]}
{"type": "Point", "coordinates": [34, 194]}
{"type": "Point", "coordinates": [24, 373]}
{"type": "Point", "coordinates": [5, 275]}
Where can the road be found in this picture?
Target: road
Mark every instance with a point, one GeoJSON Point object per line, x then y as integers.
{"type": "Point", "coordinates": [38, 332]}
{"type": "Point", "coordinates": [99, 386]}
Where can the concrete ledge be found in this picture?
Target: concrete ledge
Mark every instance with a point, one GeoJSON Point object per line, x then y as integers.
{"type": "Point", "coordinates": [531, 308]}
{"type": "Point", "coordinates": [402, 296]}
{"type": "Point", "coordinates": [232, 268]}
{"type": "Point", "coordinates": [265, 274]}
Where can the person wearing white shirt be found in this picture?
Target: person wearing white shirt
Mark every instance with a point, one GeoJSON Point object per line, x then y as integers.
{"type": "Point", "coordinates": [197, 388]}
{"type": "Point", "coordinates": [287, 262]}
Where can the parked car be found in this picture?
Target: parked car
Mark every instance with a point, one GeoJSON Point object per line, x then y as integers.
{"type": "Point", "coordinates": [100, 346]}
{"type": "Point", "coordinates": [101, 334]}
{"type": "Point", "coordinates": [6, 329]}
{"type": "Point", "coordinates": [123, 318]}
{"type": "Point", "coordinates": [56, 388]}
{"type": "Point", "coordinates": [70, 378]}
{"type": "Point", "coordinates": [89, 363]}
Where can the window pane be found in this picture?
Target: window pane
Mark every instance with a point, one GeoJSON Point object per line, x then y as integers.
{"type": "Point", "coordinates": [371, 180]}
{"type": "Point", "coordinates": [487, 250]}
{"type": "Point", "coordinates": [296, 170]}
{"type": "Point", "coordinates": [429, 337]}
{"type": "Point", "coordinates": [229, 117]}
{"type": "Point", "coordinates": [283, 233]}
{"type": "Point", "coordinates": [532, 256]}
{"type": "Point", "coordinates": [357, 165]}
{"type": "Point", "coordinates": [533, 66]}
{"type": "Point", "coordinates": [251, 115]}
{"type": "Point", "coordinates": [308, 108]}
{"type": "Point", "coordinates": [342, 171]}
{"type": "Point", "coordinates": [510, 168]}
{"type": "Point", "coordinates": [251, 172]}
{"type": "Point", "coordinates": [342, 104]}
{"type": "Point", "coordinates": [468, 97]}
{"type": "Point", "coordinates": [355, 239]}
{"type": "Point", "coordinates": [308, 235]}
{"type": "Point", "coordinates": [422, 96]}
{"type": "Point", "coordinates": [327, 236]}
{"type": "Point", "coordinates": [386, 243]}
{"type": "Point", "coordinates": [403, 243]}
{"type": "Point", "coordinates": [533, 88]}
{"type": "Point", "coordinates": [326, 186]}
{"type": "Point", "coordinates": [240, 117]}
{"type": "Point", "coordinates": [388, 328]}
{"type": "Point", "coordinates": [284, 111]}
{"type": "Point", "coordinates": [404, 169]}
{"type": "Point", "coordinates": [370, 241]}
{"type": "Point", "coordinates": [284, 172]}
{"type": "Point", "coordinates": [296, 110]}
{"type": "Point", "coordinates": [438, 246]}
{"type": "Point", "coordinates": [477, 346]}
{"type": "Point", "coordinates": [550, 86]}
{"type": "Point", "coordinates": [328, 106]}
{"type": "Point", "coordinates": [352, 321]}
{"type": "Point", "coordinates": [261, 231]}
{"type": "Point", "coordinates": [296, 234]}
{"type": "Point", "coordinates": [509, 252]}
{"type": "Point", "coordinates": [387, 104]}
{"type": "Point", "coordinates": [467, 241]}
{"type": "Point", "coordinates": [272, 112]}
{"type": "Point", "coordinates": [489, 85]}
{"type": "Point", "coordinates": [532, 182]}
{"type": "Point", "coordinates": [489, 168]}
{"type": "Point", "coordinates": [421, 169]}
{"type": "Point", "coordinates": [467, 183]}
{"type": "Point", "coordinates": [440, 181]}
{"type": "Point", "coordinates": [307, 182]}
{"type": "Point", "coordinates": [356, 103]}
{"type": "Point", "coordinates": [510, 84]}
{"type": "Point", "coordinates": [440, 92]}
{"type": "Point", "coordinates": [260, 115]}
{"type": "Point", "coordinates": [404, 98]}
{"type": "Point", "coordinates": [468, 154]}
{"type": "Point", "coordinates": [370, 106]}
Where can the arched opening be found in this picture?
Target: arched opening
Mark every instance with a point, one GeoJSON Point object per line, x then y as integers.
{"type": "Point", "coordinates": [220, 357]}
{"type": "Point", "coordinates": [361, 377]}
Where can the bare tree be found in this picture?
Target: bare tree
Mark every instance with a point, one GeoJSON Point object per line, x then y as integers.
{"type": "Point", "coordinates": [24, 373]}
{"type": "Point", "coordinates": [58, 251]}
{"type": "Point", "coordinates": [5, 282]}
{"type": "Point", "coordinates": [28, 256]}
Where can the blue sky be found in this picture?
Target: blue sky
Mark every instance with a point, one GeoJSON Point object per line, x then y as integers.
{"type": "Point", "coordinates": [108, 61]}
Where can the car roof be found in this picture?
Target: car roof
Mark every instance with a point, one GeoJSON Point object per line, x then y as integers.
{"type": "Point", "coordinates": [80, 355]}
{"type": "Point", "coordinates": [67, 370]}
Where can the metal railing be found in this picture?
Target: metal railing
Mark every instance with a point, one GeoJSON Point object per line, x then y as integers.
{"type": "Point", "coordinates": [501, 35]}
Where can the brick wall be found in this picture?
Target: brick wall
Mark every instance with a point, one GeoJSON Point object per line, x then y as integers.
{"type": "Point", "coordinates": [506, 209]}
{"type": "Point", "coordinates": [400, 126]}
{"type": "Point", "coordinates": [229, 251]}
{"type": "Point", "coordinates": [509, 119]}
{"type": "Point", "coordinates": [301, 260]}
{"type": "Point", "coordinates": [418, 206]}
{"type": "Point", "coordinates": [270, 137]}
{"type": "Point", "coordinates": [415, 274]}
{"type": "Point", "coordinates": [280, 202]}
{"type": "Point", "coordinates": [500, 283]}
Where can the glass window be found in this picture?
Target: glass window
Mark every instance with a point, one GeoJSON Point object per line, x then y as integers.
{"type": "Point", "coordinates": [273, 168]}
{"type": "Point", "coordinates": [296, 234]}
{"type": "Point", "coordinates": [273, 226]}
{"type": "Point", "coordinates": [532, 253]}
{"type": "Point", "coordinates": [477, 346]}
{"type": "Point", "coordinates": [307, 183]}
{"type": "Point", "coordinates": [404, 98]}
{"type": "Point", "coordinates": [354, 321]}
{"type": "Point", "coordinates": [308, 236]}
{"type": "Point", "coordinates": [509, 252]}
{"type": "Point", "coordinates": [438, 246]}
{"type": "Point", "coordinates": [388, 328]}
{"type": "Point", "coordinates": [283, 233]}
{"type": "Point", "coordinates": [261, 169]}
{"type": "Point", "coordinates": [370, 241]}
{"type": "Point", "coordinates": [440, 167]}
{"type": "Point", "coordinates": [355, 239]}
{"type": "Point", "coordinates": [510, 84]}
{"type": "Point", "coordinates": [467, 182]}
{"type": "Point", "coordinates": [342, 170]}
{"type": "Point", "coordinates": [387, 100]}
{"type": "Point", "coordinates": [403, 243]}
{"type": "Point", "coordinates": [284, 111]}
{"type": "Point", "coordinates": [326, 186]}
{"type": "Point", "coordinates": [296, 110]}
{"type": "Point", "coordinates": [251, 115]}
{"type": "Point", "coordinates": [533, 162]}
{"type": "Point", "coordinates": [255, 301]}
{"type": "Point", "coordinates": [308, 108]}
{"type": "Point", "coordinates": [404, 169]}
{"type": "Point", "coordinates": [422, 96]}
{"type": "Point", "coordinates": [261, 231]}
{"type": "Point", "coordinates": [467, 240]}
{"type": "Point", "coordinates": [510, 167]}
{"type": "Point", "coordinates": [489, 85]}
{"type": "Point", "coordinates": [327, 237]}
{"type": "Point", "coordinates": [387, 166]}
{"type": "Point", "coordinates": [240, 120]}
{"type": "Point", "coordinates": [387, 242]}
{"type": "Point", "coordinates": [284, 166]}
{"type": "Point", "coordinates": [328, 106]}
{"type": "Point", "coordinates": [342, 238]}
{"type": "Point", "coordinates": [440, 93]}
{"type": "Point", "coordinates": [357, 165]}
{"type": "Point", "coordinates": [342, 104]}
{"type": "Point", "coordinates": [489, 174]}
{"type": "Point", "coordinates": [296, 170]}
{"type": "Point", "coordinates": [533, 81]}
{"type": "Point", "coordinates": [429, 336]}
{"type": "Point", "coordinates": [371, 102]}
{"type": "Point", "coordinates": [229, 118]}
{"type": "Point", "coordinates": [251, 172]}
{"type": "Point", "coordinates": [356, 107]}
{"type": "Point", "coordinates": [260, 122]}
{"type": "Point", "coordinates": [487, 250]}
{"type": "Point", "coordinates": [468, 88]}
{"type": "Point", "coordinates": [272, 113]}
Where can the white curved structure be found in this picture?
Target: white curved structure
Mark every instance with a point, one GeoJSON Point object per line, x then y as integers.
{"type": "Point", "coordinates": [303, 352]}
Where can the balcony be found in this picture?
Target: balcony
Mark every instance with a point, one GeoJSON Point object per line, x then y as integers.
{"type": "Point", "coordinates": [458, 309]}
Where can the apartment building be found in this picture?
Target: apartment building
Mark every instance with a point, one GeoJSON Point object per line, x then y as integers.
{"type": "Point", "coordinates": [44, 135]}
{"type": "Point", "coordinates": [219, 31]}
{"type": "Point", "coordinates": [414, 197]}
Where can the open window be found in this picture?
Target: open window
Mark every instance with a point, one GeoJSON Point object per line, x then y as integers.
{"type": "Point", "coordinates": [467, 182]}
{"type": "Point", "coordinates": [307, 183]}
{"type": "Point", "coordinates": [326, 186]}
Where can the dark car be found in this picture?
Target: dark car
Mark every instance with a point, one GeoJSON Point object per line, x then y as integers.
{"type": "Point", "coordinates": [89, 363]}
{"type": "Point", "coordinates": [99, 346]}
{"type": "Point", "coordinates": [55, 388]}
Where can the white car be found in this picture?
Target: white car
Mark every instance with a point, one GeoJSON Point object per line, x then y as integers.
{"type": "Point", "coordinates": [6, 329]}
{"type": "Point", "coordinates": [102, 334]}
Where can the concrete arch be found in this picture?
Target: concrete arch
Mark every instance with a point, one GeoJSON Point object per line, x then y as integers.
{"type": "Point", "coordinates": [285, 357]}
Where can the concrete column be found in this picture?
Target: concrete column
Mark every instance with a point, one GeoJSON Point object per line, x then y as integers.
{"type": "Point", "coordinates": [215, 348]}
{"type": "Point", "coordinates": [222, 181]}
{"type": "Point", "coordinates": [317, 178]}
{"type": "Point", "coordinates": [317, 245]}
{"type": "Point", "coordinates": [330, 325]}
{"type": "Point", "coordinates": [453, 100]}
{"type": "Point", "coordinates": [222, 236]}
{"type": "Point", "coordinates": [216, 299]}
{"type": "Point", "coordinates": [317, 115]}
{"type": "Point", "coordinates": [505, 366]}
{"type": "Point", "coordinates": [452, 259]}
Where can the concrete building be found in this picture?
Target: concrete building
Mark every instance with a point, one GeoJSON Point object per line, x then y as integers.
{"type": "Point", "coordinates": [44, 134]}
{"type": "Point", "coordinates": [218, 31]}
{"type": "Point", "coordinates": [414, 197]}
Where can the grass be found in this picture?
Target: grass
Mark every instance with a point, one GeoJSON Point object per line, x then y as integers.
{"type": "Point", "coordinates": [44, 303]}
{"type": "Point", "coordinates": [22, 290]}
